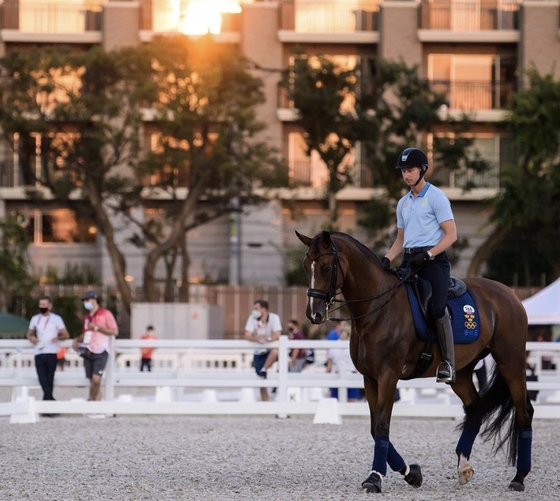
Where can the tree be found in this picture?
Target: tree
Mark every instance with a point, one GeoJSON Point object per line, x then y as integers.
{"type": "Point", "coordinates": [391, 110]}
{"type": "Point", "coordinates": [527, 208]}
{"type": "Point", "coordinates": [318, 88]}
{"type": "Point", "coordinates": [15, 279]}
{"type": "Point", "coordinates": [89, 111]}
{"type": "Point", "coordinates": [206, 117]}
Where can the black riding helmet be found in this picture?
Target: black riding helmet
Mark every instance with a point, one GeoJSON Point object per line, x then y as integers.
{"type": "Point", "coordinates": [413, 157]}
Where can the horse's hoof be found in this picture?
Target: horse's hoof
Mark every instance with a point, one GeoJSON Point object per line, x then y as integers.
{"type": "Point", "coordinates": [373, 484]}
{"type": "Point", "coordinates": [414, 476]}
{"type": "Point", "coordinates": [516, 486]}
{"type": "Point", "coordinates": [465, 474]}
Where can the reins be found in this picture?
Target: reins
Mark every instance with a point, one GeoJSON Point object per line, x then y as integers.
{"type": "Point", "coordinates": [330, 296]}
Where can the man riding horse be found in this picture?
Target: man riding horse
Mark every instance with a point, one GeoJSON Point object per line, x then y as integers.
{"type": "Point", "coordinates": [425, 230]}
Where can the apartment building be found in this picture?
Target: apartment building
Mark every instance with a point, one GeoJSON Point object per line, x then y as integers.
{"type": "Point", "coordinates": [474, 50]}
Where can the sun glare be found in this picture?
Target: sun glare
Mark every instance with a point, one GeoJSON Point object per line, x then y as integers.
{"type": "Point", "coordinates": [205, 16]}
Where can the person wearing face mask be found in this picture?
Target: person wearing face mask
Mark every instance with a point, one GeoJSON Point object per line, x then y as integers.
{"type": "Point", "coordinates": [99, 326]}
{"type": "Point", "coordinates": [262, 327]}
{"type": "Point", "coordinates": [46, 329]}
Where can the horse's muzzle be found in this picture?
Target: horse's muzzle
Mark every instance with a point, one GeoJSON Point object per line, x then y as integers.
{"type": "Point", "coordinates": [315, 317]}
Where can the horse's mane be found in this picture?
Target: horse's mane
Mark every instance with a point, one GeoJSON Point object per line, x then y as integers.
{"type": "Point", "coordinates": [364, 248]}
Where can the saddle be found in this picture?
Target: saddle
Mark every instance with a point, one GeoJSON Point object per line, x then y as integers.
{"type": "Point", "coordinates": [461, 307]}
{"type": "Point", "coordinates": [423, 290]}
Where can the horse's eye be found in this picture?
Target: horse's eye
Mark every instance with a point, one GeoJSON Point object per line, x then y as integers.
{"type": "Point", "coordinates": [327, 269]}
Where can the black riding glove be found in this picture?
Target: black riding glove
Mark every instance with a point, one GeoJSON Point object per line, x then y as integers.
{"type": "Point", "coordinates": [418, 260]}
{"type": "Point", "coordinates": [386, 263]}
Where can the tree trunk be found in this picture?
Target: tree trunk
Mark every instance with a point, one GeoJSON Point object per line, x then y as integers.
{"type": "Point", "coordinates": [185, 263]}
{"type": "Point", "coordinates": [118, 260]}
{"type": "Point", "coordinates": [173, 241]}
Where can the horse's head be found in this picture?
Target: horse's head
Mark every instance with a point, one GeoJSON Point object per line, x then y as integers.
{"type": "Point", "coordinates": [322, 265]}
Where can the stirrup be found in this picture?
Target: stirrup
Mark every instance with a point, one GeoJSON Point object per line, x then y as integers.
{"type": "Point", "coordinates": [445, 373]}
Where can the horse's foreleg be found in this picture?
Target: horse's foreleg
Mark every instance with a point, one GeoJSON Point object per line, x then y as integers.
{"type": "Point", "coordinates": [466, 391]}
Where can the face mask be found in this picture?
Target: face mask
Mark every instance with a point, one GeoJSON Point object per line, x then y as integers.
{"type": "Point", "coordinates": [256, 314]}
{"type": "Point", "coordinates": [88, 306]}
{"type": "Point", "coordinates": [43, 310]}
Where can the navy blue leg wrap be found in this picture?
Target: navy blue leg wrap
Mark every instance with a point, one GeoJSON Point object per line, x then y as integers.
{"type": "Point", "coordinates": [394, 459]}
{"type": "Point", "coordinates": [380, 453]}
{"type": "Point", "coordinates": [466, 441]}
{"type": "Point", "coordinates": [524, 441]}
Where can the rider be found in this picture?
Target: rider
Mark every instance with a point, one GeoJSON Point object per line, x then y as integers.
{"type": "Point", "coordinates": [425, 230]}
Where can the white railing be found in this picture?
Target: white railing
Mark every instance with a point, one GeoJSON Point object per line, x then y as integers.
{"type": "Point", "coordinates": [211, 365]}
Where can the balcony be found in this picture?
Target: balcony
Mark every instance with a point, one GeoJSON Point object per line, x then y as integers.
{"type": "Point", "coordinates": [50, 18]}
{"type": "Point", "coordinates": [490, 179]}
{"type": "Point", "coordinates": [469, 21]}
{"type": "Point", "coordinates": [475, 96]}
{"type": "Point", "coordinates": [469, 15]}
{"type": "Point", "coordinates": [336, 22]}
{"type": "Point", "coordinates": [314, 174]}
{"type": "Point", "coordinates": [164, 16]}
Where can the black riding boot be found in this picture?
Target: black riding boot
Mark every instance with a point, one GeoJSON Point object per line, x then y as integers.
{"type": "Point", "coordinates": [446, 370]}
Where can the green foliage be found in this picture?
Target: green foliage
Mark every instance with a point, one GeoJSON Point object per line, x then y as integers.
{"type": "Point", "coordinates": [88, 110]}
{"type": "Point", "coordinates": [528, 205]}
{"type": "Point", "coordinates": [15, 279]}
{"type": "Point", "coordinates": [295, 274]}
{"type": "Point", "coordinates": [73, 273]}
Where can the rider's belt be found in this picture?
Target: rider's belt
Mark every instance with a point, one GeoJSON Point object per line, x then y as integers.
{"type": "Point", "coordinates": [416, 250]}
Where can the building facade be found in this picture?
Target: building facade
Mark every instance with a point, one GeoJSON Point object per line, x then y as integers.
{"type": "Point", "coordinates": [475, 51]}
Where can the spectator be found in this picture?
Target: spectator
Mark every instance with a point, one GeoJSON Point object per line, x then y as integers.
{"type": "Point", "coordinates": [46, 329]}
{"type": "Point", "coordinates": [93, 344]}
{"type": "Point", "coordinates": [61, 358]}
{"type": "Point", "coordinates": [297, 356]}
{"type": "Point", "coordinates": [146, 352]}
{"type": "Point", "coordinates": [335, 333]}
{"type": "Point", "coordinates": [339, 361]}
{"type": "Point", "coordinates": [262, 327]}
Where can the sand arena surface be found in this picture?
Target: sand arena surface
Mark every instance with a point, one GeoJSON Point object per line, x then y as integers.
{"type": "Point", "coordinates": [124, 458]}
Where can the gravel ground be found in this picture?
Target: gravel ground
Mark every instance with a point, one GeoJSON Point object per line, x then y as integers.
{"type": "Point", "coordinates": [74, 458]}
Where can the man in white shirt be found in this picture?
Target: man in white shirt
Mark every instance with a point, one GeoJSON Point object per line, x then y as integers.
{"type": "Point", "coordinates": [46, 329]}
{"type": "Point", "coordinates": [262, 327]}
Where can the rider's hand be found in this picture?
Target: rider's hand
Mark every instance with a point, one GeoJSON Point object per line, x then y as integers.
{"type": "Point", "coordinates": [419, 259]}
{"type": "Point", "coordinates": [386, 263]}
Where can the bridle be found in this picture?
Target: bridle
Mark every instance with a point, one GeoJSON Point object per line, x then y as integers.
{"type": "Point", "coordinates": [330, 296]}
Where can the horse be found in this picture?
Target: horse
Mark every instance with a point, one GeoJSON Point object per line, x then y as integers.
{"type": "Point", "coordinates": [385, 347]}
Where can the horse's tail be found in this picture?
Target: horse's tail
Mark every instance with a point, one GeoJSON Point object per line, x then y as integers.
{"type": "Point", "coordinates": [495, 413]}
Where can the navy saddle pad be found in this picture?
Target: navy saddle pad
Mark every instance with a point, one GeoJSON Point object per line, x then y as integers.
{"type": "Point", "coordinates": [465, 318]}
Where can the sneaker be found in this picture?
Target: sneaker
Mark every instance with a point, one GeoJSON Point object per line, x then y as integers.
{"type": "Point", "coordinates": [262, 374]}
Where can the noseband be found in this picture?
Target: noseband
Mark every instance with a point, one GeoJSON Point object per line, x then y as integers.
{"type": "Point", "coordinates": [327, 296]}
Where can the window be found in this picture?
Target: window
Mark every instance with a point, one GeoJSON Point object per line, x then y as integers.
{"type": "Point", "coordinates": [62, 16]}
{"type": "Point", "coordinates": [60, 226]}
{"type": "Point", "coordinates": [312, 16]}
{"type": "Point", "coordinates": [467, 78]}
{"type": "Point", "coordinates": [311, 171]}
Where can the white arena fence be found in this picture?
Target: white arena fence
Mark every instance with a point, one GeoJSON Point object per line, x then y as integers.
{"type": "Point", "coordinates": [211, 377]}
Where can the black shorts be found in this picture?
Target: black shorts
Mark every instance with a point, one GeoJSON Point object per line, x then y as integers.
{"type": "Point", "coordinates": [95, 364]}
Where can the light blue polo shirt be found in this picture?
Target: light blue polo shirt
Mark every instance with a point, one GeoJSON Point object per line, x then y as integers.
{"type": "Point", "coordinates": [421, 216]}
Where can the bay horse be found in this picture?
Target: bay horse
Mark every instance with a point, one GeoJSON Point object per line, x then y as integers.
{"type": "Point", "coordinates": [384, 347]}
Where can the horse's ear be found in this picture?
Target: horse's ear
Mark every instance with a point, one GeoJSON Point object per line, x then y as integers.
{"type": "Point", "coordinates": [305, 240]}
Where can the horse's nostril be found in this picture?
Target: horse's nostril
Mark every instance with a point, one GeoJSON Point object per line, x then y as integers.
{"type": "Point", "coordinates": [317, 318]}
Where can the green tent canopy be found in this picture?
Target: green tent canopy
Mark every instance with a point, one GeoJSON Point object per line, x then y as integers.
{"type": "Point", "coordinates": [12, 326]}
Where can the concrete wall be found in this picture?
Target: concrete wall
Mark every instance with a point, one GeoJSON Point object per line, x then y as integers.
{"type": "Point", "coordinates": [540, 43]}
{"type": "Point", "coordinates": [398, 32]}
